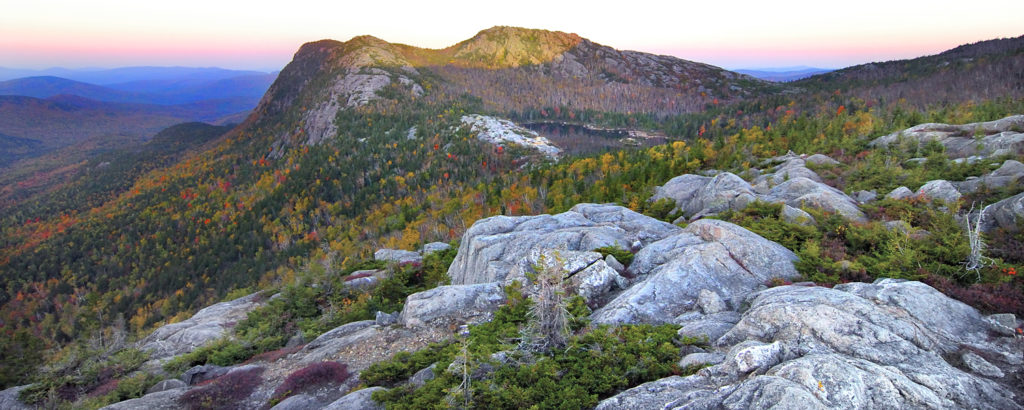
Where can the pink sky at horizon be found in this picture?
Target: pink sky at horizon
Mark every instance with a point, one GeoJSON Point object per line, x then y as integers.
{"type": "Point", "coordinates": [264, 34]}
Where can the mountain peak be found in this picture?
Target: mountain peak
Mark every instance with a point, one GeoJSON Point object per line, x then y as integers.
{"type": "Point", "coordinates": [504, 46]}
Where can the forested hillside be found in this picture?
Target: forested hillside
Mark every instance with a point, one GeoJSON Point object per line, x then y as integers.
{"type": "Point", "coordinates": [361, 145]}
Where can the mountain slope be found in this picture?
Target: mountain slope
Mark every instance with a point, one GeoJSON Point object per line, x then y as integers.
{"type": "Point", "coordinates": [518, 72]}
{"type": "Point", "coordinates": [983, 70]}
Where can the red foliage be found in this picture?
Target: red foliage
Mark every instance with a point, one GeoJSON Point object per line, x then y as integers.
{"type": "Point", "coordinates": [316, 374]}
{"type": "Point", "coordinates": [225, 392]}
{"type": "Point", "coordinates": [986, 297]}
{"type": "Point", "coordinates": [274, 355]}
{"type": "Point", "coordinates": [103, 389]}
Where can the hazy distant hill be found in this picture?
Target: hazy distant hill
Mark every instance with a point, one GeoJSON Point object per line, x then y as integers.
{"type": "Point", "coordinates": [46, 112]}
{"type": "Point", "coordinates": [129, 74]}
{"type": "Point", "coordinates": [33, 125]}
{"type": "Point", "coordinates": [246, 88]}
{"type": "Point", "coordinates": [783, 74]}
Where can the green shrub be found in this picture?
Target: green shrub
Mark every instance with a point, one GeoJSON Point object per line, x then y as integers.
{"type": "Point", "coordinates": [623, 256]}
{"type": "Point", "coordinates": [662, 209]}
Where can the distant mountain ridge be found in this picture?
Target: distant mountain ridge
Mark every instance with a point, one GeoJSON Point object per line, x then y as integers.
{"type": "Point", "coordinates": [47, 112]}
{"type": "Point", "coordinates": [246, 89]}
{"type": "Point", "coordinates": [107, 76]}
{"type": "Point", "coordinates": [783, 74]}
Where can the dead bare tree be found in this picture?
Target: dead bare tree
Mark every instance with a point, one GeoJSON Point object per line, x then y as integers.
{"type": "Point", "coordinates": [976, 260]}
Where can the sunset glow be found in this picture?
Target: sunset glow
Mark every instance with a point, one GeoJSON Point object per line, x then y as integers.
{"type": "Point", "coordinates": [264, 34]}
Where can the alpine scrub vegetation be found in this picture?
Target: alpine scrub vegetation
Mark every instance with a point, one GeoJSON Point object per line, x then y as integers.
{"type": "Point", "coordinates": [593, 364]}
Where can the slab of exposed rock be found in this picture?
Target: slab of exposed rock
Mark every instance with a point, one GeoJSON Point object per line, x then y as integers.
{"type": "Point", "coordinates": [585, 273]}
{"type": "Point", "coordinates": [708, 254]}
{"type": "Point", "coordinates": [796, 216]}
{"type": "Point", "coordinates": [821, 160]}
{"type": "Point", "coordinates": [940, 189]}
{"type": "Point", "coordinates": [9, 399]}
{"type": "Point", "coordinates": [799, 192]}
{"type": "Point", "coordinates": [1011, 172]}
{"type": "Point", "coordinates": [454, 304]}
{"type": "Point", "coordinates": [492, 247]}
{"type": "Point", "coordinates": [900, 193]}
{"type": "Point", "coordinates": [793, 167]}
{"type": "Point", "coordinates": [207, 325]}
{"type": "Point", "coordinates": [166, 385]}
{"type": "Point", "coordinates": [499, 131]}
{"type": "Point", "coordinates": [697, 195]}
{"type": "Point", "coordinates": [162, 400]}
{"type": "Point", "coordinates": [865, 196]}
{"type": "Point", "coordinates": [1005, 214]}
{"type": "Point", "coordinates": [434, 247]}
{"type": "Point", "coordinates": [298, 402]}
{"type": "Point", "coordinates": [397, 256]}
{"type": "Point", "coordinates": [891, 344]}
{"type": "Point", "coordinates": [1004, 136]}
{"type": "Point", "coordinates": [791, 183]}
{"type": "Point", "coordinates": [357, 400]}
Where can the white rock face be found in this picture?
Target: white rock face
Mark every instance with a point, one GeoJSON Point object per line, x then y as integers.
{"type": "Point", "coordinates": [791, 183]}
{"type": "Point", "coordinates": [1011, 172]}
{"type": "Point", "coordinates": [696, 195]}
{"type": "Point", "coordinates": [357, 400]}
{"type": "Point", "coordinates": [455, 304]}
{"type": "Point", "coordinates": [890, 344]}
{"type": "Point", "coordinates": [708, 254]}
{"type": "Point", "coordinates": [397, 256]}
{"type": "Point", "coordinates": [1004, 136]}
{"type": "Point", "coordinates": [207, 325]}
{"type": "Point", "coordinates": [9, 399]}
{"type": "Point", "coordinates": [940, 189]}
{"type": "Point", "coordinates": [494, 248]}
{"type": "Point", "coordinates": [499, 131]}
{"type": "Point", "coordinates": [1005, 214]}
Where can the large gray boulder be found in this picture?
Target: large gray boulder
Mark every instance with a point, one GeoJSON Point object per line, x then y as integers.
{"type": "Point", "coordinates": [162, 400]}
{"type": "Point", "coordinates": [298, 402]}
{"type": "Point", "coordinates": [791, 183]}
{"type": "Point", "coordinates": [708, 254]}
{"type": "Point", "coordinates": [357, 400]}
{"type": "Point", "coordinates": [800, 191]}
{"type": "Point", "coordinates": [1004, 136]}
{"type": "Point", "coordinates": [1005, 214]}
{"type": "Point", "coordinates": [793, 167]}
{"type": "Point", "coordinates": [494, 246]}
{"type": "Point", "coordinates": [454, 304]}
{"type": "Point", "coordinates": [1011, 172]}
{"type": "Point", "coordinates": [325, 346]}
{"type": "Point", "coordinates": [207, 325]}
{"type": "Point", "coordinates": [891, 344]}
{"type": "Point", "coordinates": [697, 195]}
{"type": "Point", "coordinates": [397, 256]}
{"type": "Point", "coordinates": [9, 399]}
{"type": "Point", "coordinates": [940, 189]}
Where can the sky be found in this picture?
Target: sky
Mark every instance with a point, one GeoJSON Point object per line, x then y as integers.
{"type": "Point", "coordinates": [263, 35]}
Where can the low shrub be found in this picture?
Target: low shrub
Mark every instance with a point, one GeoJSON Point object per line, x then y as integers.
{"type": "Point", "coordinates": [1007, 297]}
{"type": "Point", "coordinates": [403, 365]}
{"type": "Point", "coordinates": [225, 392]}
{"type": "Point", "coordinates": [623, 256]}
{"type": "Point", "coordinates": [309, 377]}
